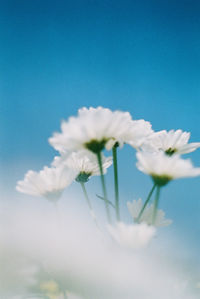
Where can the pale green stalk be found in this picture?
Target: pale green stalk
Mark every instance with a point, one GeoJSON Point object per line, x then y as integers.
{"type": "Point", "coordinates": [146, 202]}
{"type": "Point", "coordinates": [88, 201]}
{"type": "Point", "coordinates": [156, 204]}
{"type": "Point", "coordinates": [114, 152]}
{"type": "Point", "coordinates": [104, 187]}
{"type": "Point", "coordinates": [86, 195]}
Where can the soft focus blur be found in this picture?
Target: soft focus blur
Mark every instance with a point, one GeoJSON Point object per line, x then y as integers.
{"type": "Point", "coordinates": [44, 248]}
{"type": "Point", "coordinates": [137, 56]}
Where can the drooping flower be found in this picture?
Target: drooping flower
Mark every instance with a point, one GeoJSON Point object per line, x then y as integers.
{"type": "Point", "coordinates": [147, 216]}
{"type": "Point", "coordinates": [133, 236]}
{"type": "Point", "coordinates": [172, 142]}
{"type": "Point", "coordinates": [163, 168]}
{"type": "Point", "coordinates": [93, 129]}
{"type": "Point", "coordinates": [49, 182]}
{"type": "Point", "coordinates": [83, 162]}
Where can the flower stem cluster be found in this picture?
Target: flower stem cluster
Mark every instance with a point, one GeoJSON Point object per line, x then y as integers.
{"type": "Point", "coordinates": [81, 144]}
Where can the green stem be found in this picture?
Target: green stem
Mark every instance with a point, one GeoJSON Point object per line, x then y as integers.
{"type": "Point", "coordinates": [104, 187]}
{"type": "Point", "coordinates": [86, 195]}
{"type": "Point", "coordinates": [88, 202]}
{"type": "Point", "coordinates": [114, 152]}
{"type": "Point", "coordinates": [146, 202]}
{"type": "Point", "coordinates": [156, 205]}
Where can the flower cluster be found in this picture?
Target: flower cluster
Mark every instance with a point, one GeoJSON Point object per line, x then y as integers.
{"type": "Point", "coordinates": [98, 128]}
{"type": "Point", "coordinates": [82, 145]}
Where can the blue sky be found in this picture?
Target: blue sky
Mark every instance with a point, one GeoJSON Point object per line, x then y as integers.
{"type": "Point", "coordinates": [137, 56]}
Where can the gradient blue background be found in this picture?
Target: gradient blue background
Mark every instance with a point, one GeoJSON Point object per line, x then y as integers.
{"type": "Point", "coordinates": [137, 56]}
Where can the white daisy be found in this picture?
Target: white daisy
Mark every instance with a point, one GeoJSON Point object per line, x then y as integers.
{"type": "Point", "coordinates": [170, 142]}
{"type": "Point", "coordinates": [49, 182]}
{"type": "Point", "coordinates": [163, 168]}
{"type": "Point", "coordinates": [138, 132]}
{"type": "Point", "coordinates": [147, 216]}
{"type": "Point", "coordinates": [93, 129]}
{"type": "Point", "coordinates": [83, 162]}
{"type": "Point", "coordinates": [133, 236]}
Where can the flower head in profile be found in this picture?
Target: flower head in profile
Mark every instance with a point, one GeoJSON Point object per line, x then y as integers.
{"type": "Point", "coordinates": [93, 129]}
{"type": "Point", "coordinates": [172, 142]}
{"type": "Point", "coordinates": [132, 236]}
{"type": "Point", "coordinates": [147, 216]}
{"type": "Point", "coordinates": [83, 162]}
{"type": "Point", "coordinates": [138, 132]}
{"type": "Point", "coordinates": [163, 168]}
{"type": "Point", "coordinates": [49, 182]}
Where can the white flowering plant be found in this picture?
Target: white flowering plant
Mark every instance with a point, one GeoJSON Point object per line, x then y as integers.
{"type": "Point", "coordinates": [82, 145]}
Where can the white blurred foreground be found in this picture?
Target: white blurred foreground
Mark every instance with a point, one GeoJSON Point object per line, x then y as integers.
{"type": "Point", "coordinates": [58, 254]}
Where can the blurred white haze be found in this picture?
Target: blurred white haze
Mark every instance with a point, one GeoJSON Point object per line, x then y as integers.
{"type": "Point", "coordinates": [46, 243]}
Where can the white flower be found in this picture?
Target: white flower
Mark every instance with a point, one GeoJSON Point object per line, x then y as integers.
{"type": "Point", "coordinates": [49, 182]}
{"type": "Point", "coordinates": [163, 168]}
{"type": "Point", "coordinates": [133, 236]}
{"type": "Point", "coordinates": [93, 129]}
{"type": "Point", "coordinates": [147, 216]}
{"type": "Point", "coordinates": [85, 163]}
{"type": "Point", "coordinates": [138, 132]}
{"type": "Point", "coordinates": [170, 142]}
